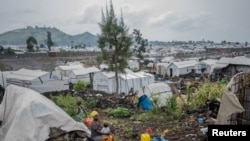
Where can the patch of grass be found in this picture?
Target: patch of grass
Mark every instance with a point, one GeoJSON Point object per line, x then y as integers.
{"type": "Point", "coordinates": [143, 117]}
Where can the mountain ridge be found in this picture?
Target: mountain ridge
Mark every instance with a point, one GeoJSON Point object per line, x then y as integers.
{"type": "Point", "coordinates": [60, 38]}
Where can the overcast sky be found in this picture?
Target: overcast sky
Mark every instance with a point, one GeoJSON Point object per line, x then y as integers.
{"type": "Point", "coordinates": [162, 20]}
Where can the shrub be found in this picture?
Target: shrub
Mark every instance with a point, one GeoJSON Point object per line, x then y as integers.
{"type": "Point", "coordinates": [67, 103]}
{"type": "Point", "coordinates": [173, 108]}
{"type": "Point", "coordinates": [91, 102]}
{"type": "Point", "coordinates": [155, 103]}
{"type": "Point", "coordinates": [120, 112]}
{"type": "Point", "coordinates": [79, 86]}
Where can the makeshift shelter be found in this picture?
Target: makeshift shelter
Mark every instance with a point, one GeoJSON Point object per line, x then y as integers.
{"type": "Point", "coordinates": [150, 78]}
{"type": "Point", "coordinates": [63, 71]}
{"type": "Point", "coordinates": [38, 80]}
{"type": "Point", "coordinates": [160, 90]}
{"type": "Point", "coordinates": [84, 74]}
{"type": "Point", "coordinates": [181, 68]}
{"type": "Point", "coordinates": [205, 66]}
{"type": "Point", "coordinates": [161, 68]}
{"type": "Point", "coordinates": [105, 81]}
{"type": "Point", "coordinates": [235, 102]}
{"type": "Point", "coordinates": [221, 64]}
{"type": "Point", "coordinates": [29, 116]}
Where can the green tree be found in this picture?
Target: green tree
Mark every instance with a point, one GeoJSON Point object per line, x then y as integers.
{"type": "Point", "coordinates": [50, 43]}
{"type": "Point", "coordinates": [31, 42]}
{"type": "Point", "coordinates": [140, 45]}
{"type": "Point", "coordinates": [114, 42]}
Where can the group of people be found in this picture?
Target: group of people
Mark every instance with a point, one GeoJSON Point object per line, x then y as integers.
{"type": "Point", "coordinates": [98, 130]}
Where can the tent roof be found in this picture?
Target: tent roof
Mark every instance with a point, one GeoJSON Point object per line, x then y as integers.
{"type": "Point", "coordinates": [163, 64]}
{"type": "Point", "coordinates": [184, 64]}
{"type": "Point", "coordinates": [224, 60]}
{"type": "Point", "coordinates": [220, 66]}
{"type": "Point", "coordinates": [84, 71]}
{"type": "Point", "coordinates": [146, 74]}
{"type": "Point", "coordinates": [26, 74]}
{"type": "Point", "coordinates": [240, 60]}
{"type": "Point", "coordinates": [210, 61]}
{"type": "Point", "coordinates": [109, 74]}
{"type": "Point", "coordinates": [71, 67]}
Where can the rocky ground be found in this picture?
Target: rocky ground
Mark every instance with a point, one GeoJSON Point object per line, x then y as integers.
{"type": "Point", "coordinates": [130, 128]}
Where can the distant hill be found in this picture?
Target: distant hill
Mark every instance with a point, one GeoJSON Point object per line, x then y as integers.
{"type": "Point", "coordinates": [19, 37]}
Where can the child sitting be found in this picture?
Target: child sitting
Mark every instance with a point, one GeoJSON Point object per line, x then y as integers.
{"type": "Point", "coordinates": [106, 130]}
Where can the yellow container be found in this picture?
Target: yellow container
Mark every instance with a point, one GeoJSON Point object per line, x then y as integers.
{"type": "Point", "coordinates": [145, 137]}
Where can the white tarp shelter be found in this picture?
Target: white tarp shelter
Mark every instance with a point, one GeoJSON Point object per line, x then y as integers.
{"type": "Point", "coordinates": [181, 68]}
{"type": "Point", "coordinates": [161, 68]}
{"type": "Point", "coordinates": [150, 78]}
{"type": "Point", "coordinates": [82, 74]}
{"type": "Point", "coordinates": [160, 90]}
{"type": "Point", "coordinates": [27, 115]}
{"type": "Point", "coordinates": [63, 71]}
{"type": "Point", "coordinates": [105, 81]}
{"type": "Point", "coordinates": [205, 66]}
{"type": "Point", "coordinates": [38, 80]}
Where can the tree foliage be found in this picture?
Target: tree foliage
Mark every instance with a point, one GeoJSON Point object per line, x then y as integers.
{"type": "Point", "coordinates": [114, 42]}
{"type": "Point", "coordinates": [140, 45]}
{"type": "Point", "coordinates": [31, 42]}
{"type": "Point", "coordinates": [50, 43]}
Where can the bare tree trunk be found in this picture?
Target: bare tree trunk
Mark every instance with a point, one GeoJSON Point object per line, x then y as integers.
{"type": "Point", "coordinates": [116, 76]}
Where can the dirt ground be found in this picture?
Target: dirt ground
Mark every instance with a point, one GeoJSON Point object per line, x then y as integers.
{"type": "Point", "coordinates": [130, 128]}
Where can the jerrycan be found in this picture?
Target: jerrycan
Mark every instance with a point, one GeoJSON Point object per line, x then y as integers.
{"type": "Point", "coordinates": [145, 137]}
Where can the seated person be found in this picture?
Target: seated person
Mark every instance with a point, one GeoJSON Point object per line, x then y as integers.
{"type": "Point", "coordinates": [96, 128]}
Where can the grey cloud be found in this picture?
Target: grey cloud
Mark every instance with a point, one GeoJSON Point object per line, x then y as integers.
{"type": "Point", "coordinates": [176, 22]}
{"type": "Point", "coordinates": [90, 15]}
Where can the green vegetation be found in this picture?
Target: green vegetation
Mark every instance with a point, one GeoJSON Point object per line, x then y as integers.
{"type": "Point", "coordinates": [196, 97]}
{"type": "Point", "coordinates": [155, 103]}
{"type": "Point", "coordinates": [50, 43]}
{"type": "Point", "coordinates": [120, 112]}
{"type": "Point", "coordinates": [140, 45]}
{"type": "Point", "coordinates": [91, 103]}
{"type": "Point", "coordinates": [67, 103]}
{"type": "Point", "coordinates": [144, 117]}
{"type": "Point", "coordinates": [79, 86]}
{"type": "Point", "coordinates": [31, 43]}
{"type": "Point", "coordinates": [173, 108]}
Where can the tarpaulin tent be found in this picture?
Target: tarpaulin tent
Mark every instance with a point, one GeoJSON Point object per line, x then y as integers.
{"type": "Point", "coordinates": [27, 115]}
{"type": "Point", "coordinates": [160, 89]}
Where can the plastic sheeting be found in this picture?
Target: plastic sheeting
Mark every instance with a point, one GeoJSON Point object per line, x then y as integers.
{"type": "Point", "coordinates": [27, 116]}
{"type": "Point", "coordinates": [160, 90]}
{"type": "Point", "coordinates": [229, 103]}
